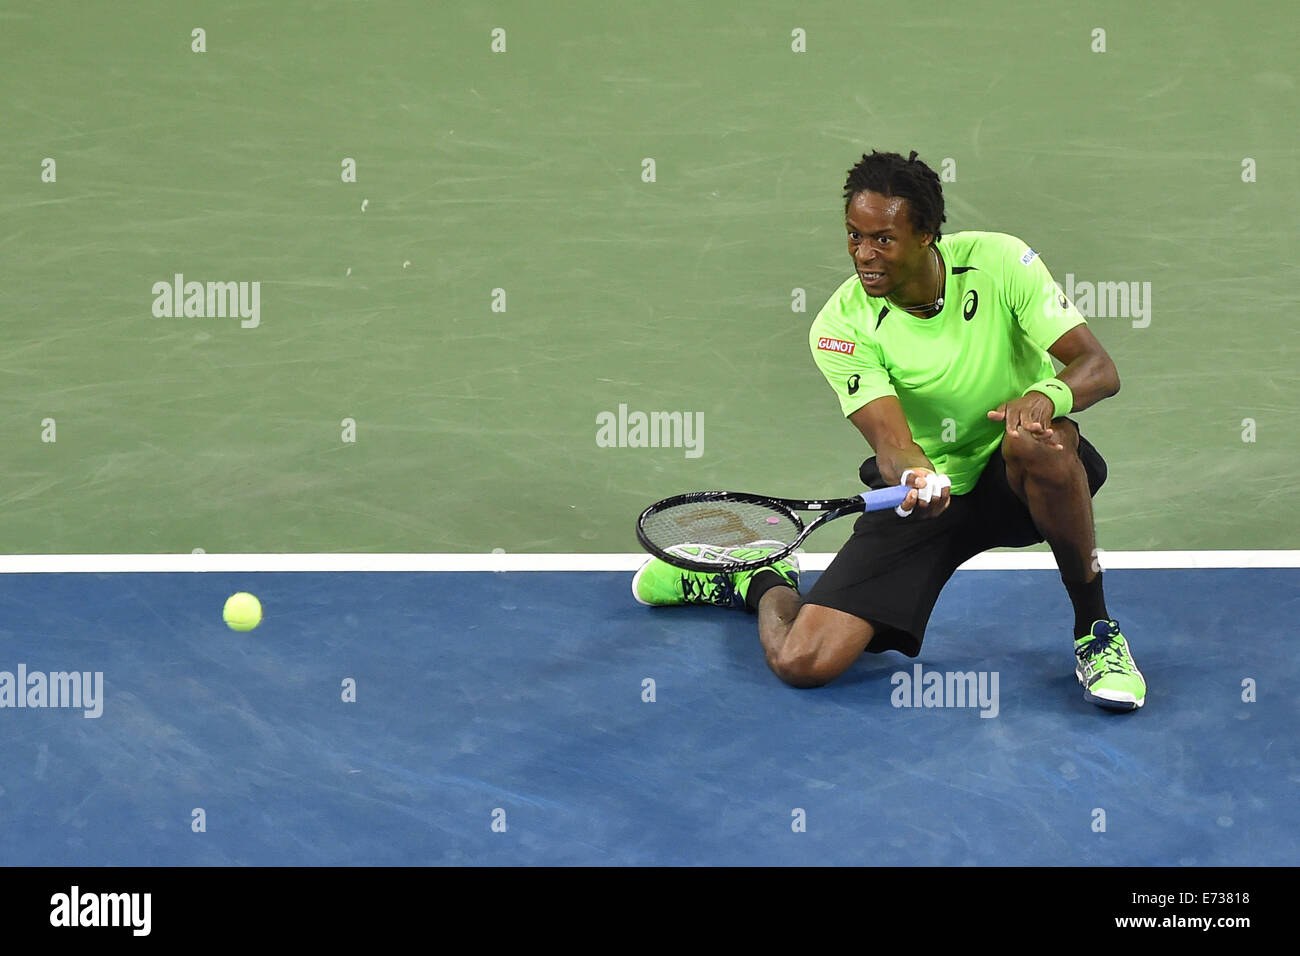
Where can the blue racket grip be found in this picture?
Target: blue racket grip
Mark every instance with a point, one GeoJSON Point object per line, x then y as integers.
{"type": "Point", "coordinates": [886, 498]}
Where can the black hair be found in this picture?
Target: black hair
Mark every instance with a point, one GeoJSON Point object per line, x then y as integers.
{"type": "Point", "coordinates": [891, 175]}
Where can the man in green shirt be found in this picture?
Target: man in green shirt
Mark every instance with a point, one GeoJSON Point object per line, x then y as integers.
{"type": "Point", "coordinates": [940, 350]}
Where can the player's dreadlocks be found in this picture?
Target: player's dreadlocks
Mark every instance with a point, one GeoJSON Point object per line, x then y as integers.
{"type": "Point", "coordinates": [891, 175]}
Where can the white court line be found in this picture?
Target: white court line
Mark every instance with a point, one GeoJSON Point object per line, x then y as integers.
{"type": "Point", "coordinates": [247, 563]}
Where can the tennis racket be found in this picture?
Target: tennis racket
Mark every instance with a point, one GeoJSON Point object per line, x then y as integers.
{"type": "Point", "coordinates": [698, 531]}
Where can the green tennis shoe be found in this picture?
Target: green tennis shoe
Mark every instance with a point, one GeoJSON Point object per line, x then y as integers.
{"type": "Point", "coordinates": [1106, 669]}
{"type": "Point", "coordinates": [658, 583]}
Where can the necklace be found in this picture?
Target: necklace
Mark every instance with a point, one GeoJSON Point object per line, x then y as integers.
{"type": "Point", "coordinates": [938, 300]}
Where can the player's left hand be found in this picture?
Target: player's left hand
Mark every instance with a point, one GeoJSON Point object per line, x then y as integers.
{"type": "Point", "coordinates": [1029, 415]}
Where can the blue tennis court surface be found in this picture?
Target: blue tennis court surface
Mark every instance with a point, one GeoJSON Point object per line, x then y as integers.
{"type": "Point", "coordinates": [519, 696]}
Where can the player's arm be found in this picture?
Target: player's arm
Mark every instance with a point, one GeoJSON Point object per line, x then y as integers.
{"type": "Point", "coordinates": [1090, 375]}
{"type": "Point", "coordinates": [1052, 323]}
{"type": "Point", "coordinates": [1089, 371]}
{"type": "Point", "coordinates": [856, 371]}
{"type": "Point", "coordinates": [885, 428]}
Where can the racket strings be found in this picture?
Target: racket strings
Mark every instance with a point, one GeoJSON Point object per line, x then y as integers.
{"type": "Point", "coordinates": [719, 525]}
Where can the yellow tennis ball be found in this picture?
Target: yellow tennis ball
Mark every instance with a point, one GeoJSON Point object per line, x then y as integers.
{"type": "Point", "coordinates": [243, 612]}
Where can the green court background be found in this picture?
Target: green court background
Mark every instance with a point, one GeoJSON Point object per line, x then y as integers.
{"type": "Point", "coordinates": [522, 170]}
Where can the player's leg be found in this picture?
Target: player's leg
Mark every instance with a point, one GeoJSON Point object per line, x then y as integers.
{"type": "Point", "coordinates": [876, 595]}
{"type": "Point", "coordinates": [804, 646]}
{"type": "Point", "coordinates": [1057, 488]}
{"type": "Point", "coordinates": [807, 645]}
{"type": "Point", "coordinates": [1054, 487]}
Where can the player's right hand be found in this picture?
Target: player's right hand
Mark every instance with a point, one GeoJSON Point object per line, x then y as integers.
{"type": "Point", "coordinates": [922, 503]}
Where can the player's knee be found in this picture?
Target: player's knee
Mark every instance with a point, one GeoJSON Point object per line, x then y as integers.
{"type": "Point", "coordinates": [804, 668]}
{"type": "Point", "coordinates": [1019, 452]}
{"type": "Point", "coordinates": [1028, 457]}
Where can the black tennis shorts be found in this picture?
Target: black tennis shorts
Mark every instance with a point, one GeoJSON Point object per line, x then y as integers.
{"type": "Point", "coordinates": [891, 571]}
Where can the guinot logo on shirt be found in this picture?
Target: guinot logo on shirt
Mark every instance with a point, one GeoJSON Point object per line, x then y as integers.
{"type": "Point", "coordinates": [836, 345]}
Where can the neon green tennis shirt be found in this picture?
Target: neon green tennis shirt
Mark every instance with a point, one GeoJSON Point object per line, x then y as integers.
{"type": "Point", "coordinates": [1001, 313]}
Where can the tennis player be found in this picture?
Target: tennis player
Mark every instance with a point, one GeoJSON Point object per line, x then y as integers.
{"type": "Point", "coordinates": [940, 351]}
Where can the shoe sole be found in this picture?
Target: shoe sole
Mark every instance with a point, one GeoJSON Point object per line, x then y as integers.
{"type": "Point", "coordinates": [1126, 702]}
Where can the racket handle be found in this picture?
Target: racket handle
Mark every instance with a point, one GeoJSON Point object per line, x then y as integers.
{"type": "Point", "coordinates": [885, 499]}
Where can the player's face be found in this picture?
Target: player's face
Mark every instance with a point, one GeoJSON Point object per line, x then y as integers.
{"type": "Point", "coordinates": [887, 252]}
